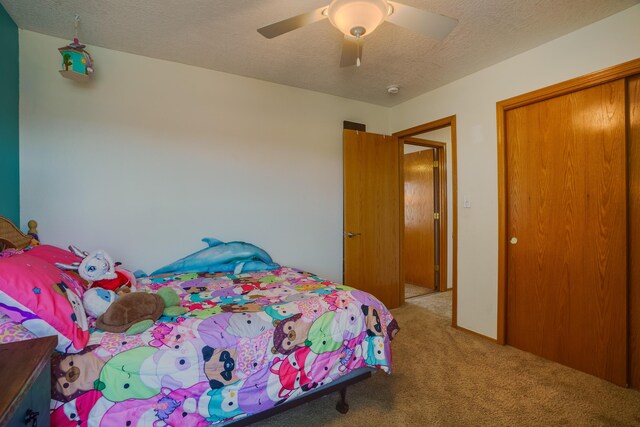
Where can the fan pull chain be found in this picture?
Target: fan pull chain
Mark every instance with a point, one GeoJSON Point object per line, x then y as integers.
{"type": "Point", "coordinates": [358, 58]}
{"type": "Point", "coordinates": [76, 25]}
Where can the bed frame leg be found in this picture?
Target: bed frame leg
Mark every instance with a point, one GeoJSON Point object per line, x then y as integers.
{"type": "Point", "coordinates": [342, 406]}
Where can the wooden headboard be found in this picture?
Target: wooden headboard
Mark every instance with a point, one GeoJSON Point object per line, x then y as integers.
{"type": "Point", "coordinates": [12, 238]}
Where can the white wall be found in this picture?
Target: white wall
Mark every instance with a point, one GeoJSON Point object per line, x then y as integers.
{"type": "Point", "coordinates": [408, 148]}
{"type": "Point", "coordinates": [152, 155]}
{"type": "Point", "coordinates": [473, 99]}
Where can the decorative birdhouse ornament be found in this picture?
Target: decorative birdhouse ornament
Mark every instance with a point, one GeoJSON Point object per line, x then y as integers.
{"type": "Point", "coordinates": [76, 62]}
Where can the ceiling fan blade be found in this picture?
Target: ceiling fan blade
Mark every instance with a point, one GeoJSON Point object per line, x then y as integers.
{"type": "Point", "coordinates": [282, 27]}
{"type": "Point", "coordinates": [421, 21]}
{"type": "Point", "coordinates": [351, 51]}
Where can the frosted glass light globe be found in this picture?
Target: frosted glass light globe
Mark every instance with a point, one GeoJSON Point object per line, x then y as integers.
{"type": "Point", "coordinates": [357, 17]}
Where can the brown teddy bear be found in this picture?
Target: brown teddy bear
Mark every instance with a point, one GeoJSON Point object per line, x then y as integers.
{"type": "Point", "coordinates": [73, 374]}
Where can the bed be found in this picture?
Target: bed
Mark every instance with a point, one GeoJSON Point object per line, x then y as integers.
{"type": "Point", "coordinates": [249, 345]}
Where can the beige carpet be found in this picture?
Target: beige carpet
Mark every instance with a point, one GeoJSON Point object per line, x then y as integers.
{"type": "Point", "coordinates": [445, 377]}
{"type": "Point", "coordinates": [437, 303]}
{"type": "Point", "coordinates": [411, 291]}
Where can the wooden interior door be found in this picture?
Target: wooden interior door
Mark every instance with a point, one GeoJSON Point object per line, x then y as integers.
{"type": "Point", "coordinates": [372, 215]}
{"type": "Point", "coordinates": [566, 225]}
{"type": "Point", "coordinates": [419, 229]}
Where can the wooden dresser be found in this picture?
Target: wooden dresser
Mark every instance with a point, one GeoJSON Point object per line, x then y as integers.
{"type": "Point", "coordinates": [25, 382]}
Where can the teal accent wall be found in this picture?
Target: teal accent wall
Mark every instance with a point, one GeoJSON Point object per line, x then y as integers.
{"type": "Point", "coordinates": [9, 134]}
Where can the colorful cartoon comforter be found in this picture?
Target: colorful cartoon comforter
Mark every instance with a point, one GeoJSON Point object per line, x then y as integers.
{"type": "Point", "coordinates": [248, 342]}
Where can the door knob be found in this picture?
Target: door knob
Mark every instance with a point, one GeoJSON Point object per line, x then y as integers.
{"type": "Point", "coordinates": [513, 240]}
{"type": "Point", "coordinates": [352, 235]}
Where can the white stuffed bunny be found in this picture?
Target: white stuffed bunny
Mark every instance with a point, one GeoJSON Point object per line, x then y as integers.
{"type": "Point", "coordinates": [99, 270]}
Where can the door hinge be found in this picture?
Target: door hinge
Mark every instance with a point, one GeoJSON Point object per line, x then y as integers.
{"type": "Point", "coordinates": [436, 163]}
{"type": "Point", "coordinates": [436, 267]}
{"type": "Point", "coordinates": [436, 215]}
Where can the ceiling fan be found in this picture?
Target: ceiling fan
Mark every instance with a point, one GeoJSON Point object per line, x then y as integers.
{"type": "Point", "coordinates": [359, 18]}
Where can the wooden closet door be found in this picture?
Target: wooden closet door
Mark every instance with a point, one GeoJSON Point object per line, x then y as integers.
{"type": "Point", "coordinates": [566, 225]}
{"type": "Point", "coordinates": [633, 107]}
{"type": "Point", "coordinates": [419, 226]}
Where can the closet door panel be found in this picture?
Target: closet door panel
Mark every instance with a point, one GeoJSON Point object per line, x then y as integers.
{"type": "Point", "coordinates": [633, 103]}
{"type": "Point", "coordinates": [566, 219]}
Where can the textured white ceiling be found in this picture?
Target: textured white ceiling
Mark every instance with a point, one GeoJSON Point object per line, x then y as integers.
{"type": "Point", "coordinates": [221, 35]}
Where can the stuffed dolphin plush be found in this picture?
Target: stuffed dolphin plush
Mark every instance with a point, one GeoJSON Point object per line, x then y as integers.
{"type": "Point", "coordinates": [220, 257]}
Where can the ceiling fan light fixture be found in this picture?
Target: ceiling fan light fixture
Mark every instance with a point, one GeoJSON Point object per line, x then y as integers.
{"type": "Point", "coordinates": [357, 18]}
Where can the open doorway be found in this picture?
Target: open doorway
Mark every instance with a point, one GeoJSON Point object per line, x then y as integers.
{"type": "Point", "coordinates": [424, 189]}
{"type": "Point", "coordinates": [428, 212]}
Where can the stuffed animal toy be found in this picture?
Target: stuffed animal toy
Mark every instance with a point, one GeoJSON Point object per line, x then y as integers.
{"type": "Point", "coordinates": [236, 257]}
{"type": "Point", "coordinates": [99, 270]}
{"type": "Point", "coordinates": [135, 312]}
{"type": "Point", "coordinates": [97, 300]}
